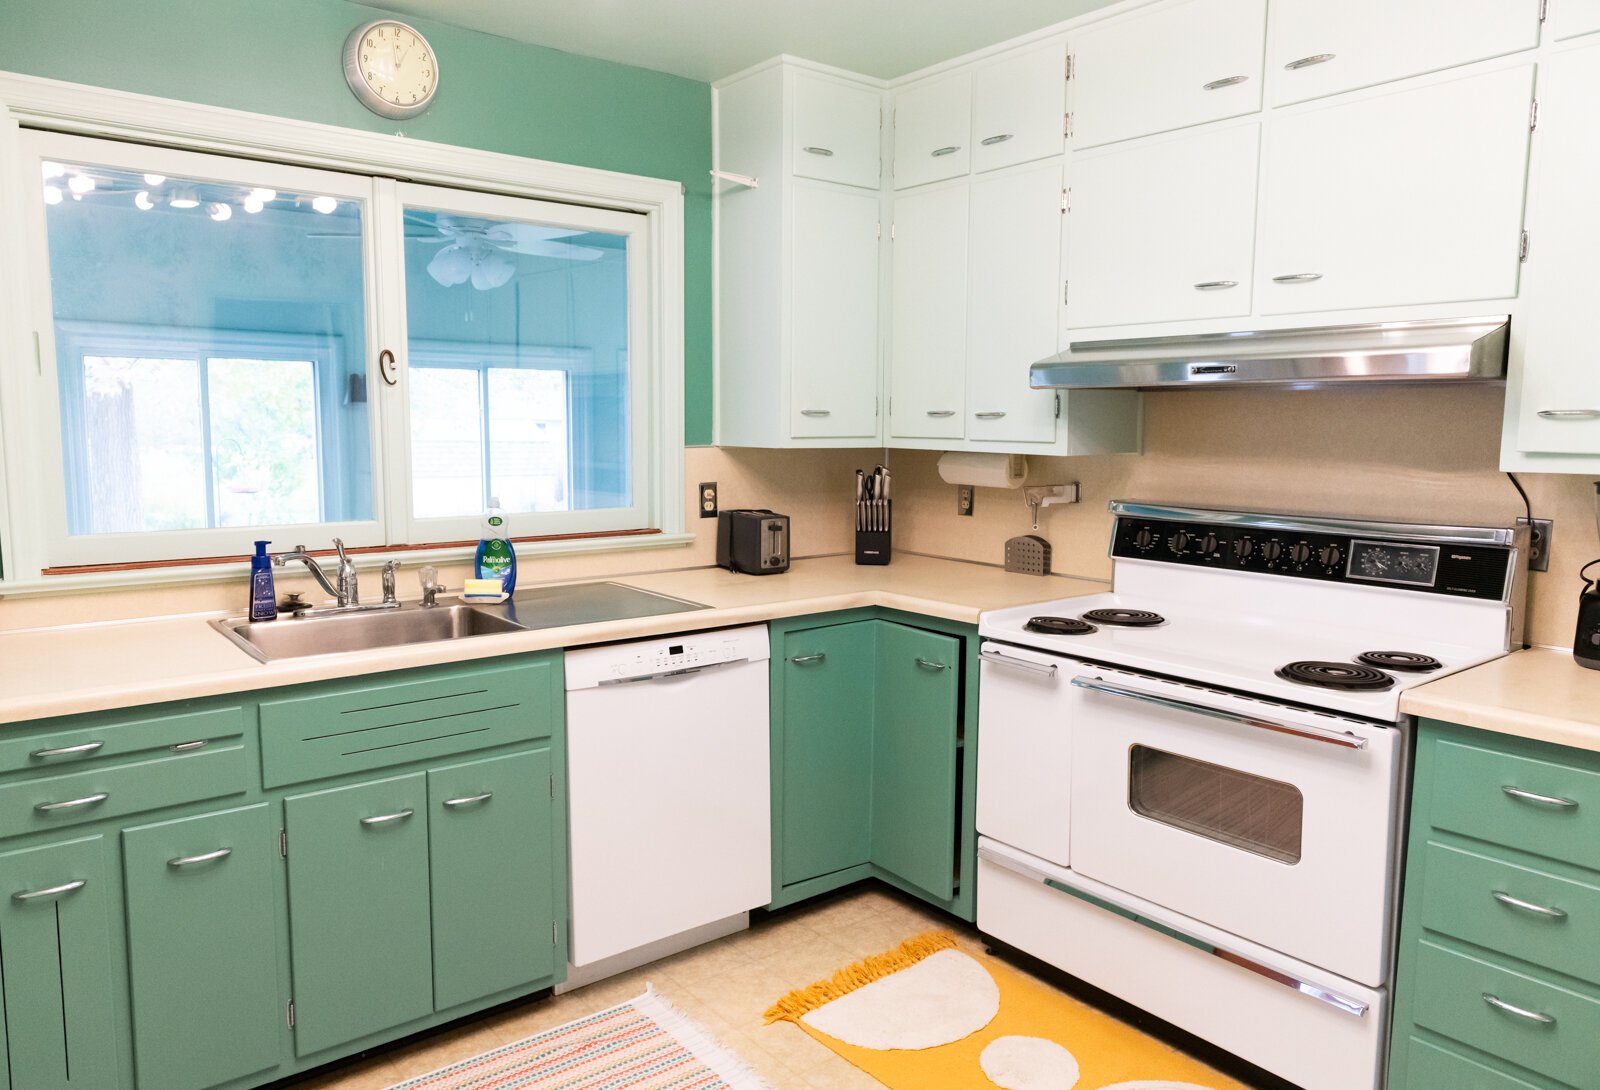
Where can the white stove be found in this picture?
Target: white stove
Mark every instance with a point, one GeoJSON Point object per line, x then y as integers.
{"type": "Point", "coordinates": [1190, 789]}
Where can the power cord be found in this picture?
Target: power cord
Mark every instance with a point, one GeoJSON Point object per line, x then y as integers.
{"type": "Point", "coordinates": [1528, 506]}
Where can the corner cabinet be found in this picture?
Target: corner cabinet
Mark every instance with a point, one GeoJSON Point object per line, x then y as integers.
{"type": "Point", "coordinates": [1498, 984]}
{"type": "Point", "coordinates": [873, 719]}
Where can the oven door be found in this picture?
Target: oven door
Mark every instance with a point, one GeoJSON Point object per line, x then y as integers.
{"type": "Point", "coordinates": [1271, 822]}
{"type": "Point", "coordinates": [1025, 749]}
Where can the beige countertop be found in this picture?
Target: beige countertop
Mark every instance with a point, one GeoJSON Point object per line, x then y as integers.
{"type": "Point", "coordinates": [47, 672]}
{"type": "Point", "coordinates": [1540, 694]}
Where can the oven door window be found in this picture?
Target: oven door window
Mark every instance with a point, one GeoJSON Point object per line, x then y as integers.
{"type": "Point", "coordinates": [1244, 811]}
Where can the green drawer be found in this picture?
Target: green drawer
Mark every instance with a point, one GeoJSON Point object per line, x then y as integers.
{"type": "Point", "coordinates": [1470, 797]}
{"type": "Point", "coordinates": [374, 724]}
{"type": "Point", "coordinates": [1434, 1067]}
{"type": "Point", "coordinates": [1459, 893]}
{"type": "Point", "coordinates": [1450, 991]}
{"type": "Point", "coordinates": [116, 737]}
{"type": "Point", "coordinates": [208, 773]}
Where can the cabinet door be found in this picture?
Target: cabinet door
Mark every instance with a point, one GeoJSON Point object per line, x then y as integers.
{"type": "Point", "coordinates": [1392, 199]}
{"type": "Point", "coordinates": [825, 749]}
{"type": "Point", "coordinates": [833, 323]}
{"type": "Point", "coordinates": [1560, 403]}
{"type": "Point", "coordinates": [490, 829]}
{"type": "Point", "coordinates": [933, 131]}
{"type": "Point", "coordinates": [1315, 48]}
{"type": "Point", "coordinates": [202, 948]}
{"type": "Point", "coordinates": [928, 345]}
{"type": "Point", "coordinates": [914, 748]}
{"type": "Point", "coordinates": [56, 975]}
{"type": "Point", "coordinates": [1570, 18]}
{"type": "Point", "coordinates": [1167, 68]}
{"type": "Point", "coordinates": [1018, 107]}
{"type": "Point", "coordinates": [1012, 314]}
{"type": "Point", "coordinates": [1163, 230]}
{"type": "Point", "coordinates": [836, 131]}
{"type": "Point", "coordinates": [358, 910]}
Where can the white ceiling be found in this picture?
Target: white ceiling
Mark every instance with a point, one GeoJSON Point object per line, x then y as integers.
{"type": "Point", "coordinates": [709, 39]}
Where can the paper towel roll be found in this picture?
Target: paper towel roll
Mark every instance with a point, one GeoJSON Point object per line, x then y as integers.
{"type": "Point", "coordinates": [983, 470]}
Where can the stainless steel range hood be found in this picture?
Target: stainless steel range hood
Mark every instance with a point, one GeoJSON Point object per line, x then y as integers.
{"type": "Point", "coordinates": [1448, 348]}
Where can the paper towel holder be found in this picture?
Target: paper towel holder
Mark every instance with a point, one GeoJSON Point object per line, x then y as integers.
{"type": "Point", "coordinates": [983, 470]}
{"type": "Point", "coordinates": [1048, 495]}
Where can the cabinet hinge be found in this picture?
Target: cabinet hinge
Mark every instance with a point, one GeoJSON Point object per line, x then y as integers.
{"type": "Point", "coordinates": [552, 785]}
{"type": "Point", "coordinates": [283, 843]}
{"type": "Point", "coordinates": [1544, 10]}
{"type": "Point", "coordinates": [1069, 65]}
{"type": "Point", "coordinates": [1522, 248]}
{"type": "Point", "coordinates": [880, 230]}
{"type": "Point", "coordinates": [38, 356]}
{"type": "Point", "coordinates": [1533, 116]}
{"type": "Point", "coordinates": [1066, 125]}
{"type": "Point", "coordinates": [1066, 201]}
{"type": "Point", "coordinates": [291, 1014]}
{"type": "Point", "coordinates": [555, 933]}
{"type": "Point", "coordinates": [1058, 404]}
{"type": "Point", "coordinates": [875, 402]}
{"type": "Point", "coordinates": [1066, 286]}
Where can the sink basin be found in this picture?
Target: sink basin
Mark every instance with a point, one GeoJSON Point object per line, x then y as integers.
{"type": "Point", "coordinates": [321, 634]}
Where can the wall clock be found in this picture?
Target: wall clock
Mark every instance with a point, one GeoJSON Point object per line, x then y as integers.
{"type": "Point", "coordinates": [391, 68]}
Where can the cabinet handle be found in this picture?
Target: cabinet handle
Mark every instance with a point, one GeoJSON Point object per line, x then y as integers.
{"type": "Point", "coordinates": [1214, 285]}
{"type": "Point", "coordinates": [816, 412]}
{"type": "Point", "coordinates": [70, 804]}
{"type": "Point", "coordinates": [991, 415]}
{"type": "Point", "coordinates": [1547, 414]}
{"type": "Point", "coordinates": [926, 665]}
{"type": "Point", "coordinates": [1307, 62]}
{"type": "Point", "coordinates": [951, 150]}
{"type": "Point", "coordinates": [82, 749]}
{"type": "Point", "coordinates": [470, 799]}
{"type": "Point", "coordinates": [998, 138]}
{"type": "Point", "coordinates": [1528, 906]}
{"type": "Point", "coordinates": [826, 152]}
{"type": "Point", "coordinates": [1520, 1012]}
{"type": "Point", "coordinates": [1296, 278]}
{"type": "Point", "coordinates": [190, 747]}
{"type": "Point", "coordinates": [941, 412]}
{"type": "Point", "coordinates": [191, 860]}
{"type": "Point", "coordinates": [1228, 81]}
{"type": "Point", "coordinates": [1543, 800]}
{"type": "Point", "coordinates": [54, 891]}
{"type": "Point", "coordinates": [801, 660]}
{"type": "Point", "coordinates": [384, 819]}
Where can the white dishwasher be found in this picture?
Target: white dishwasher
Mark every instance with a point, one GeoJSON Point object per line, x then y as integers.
{"type": "Point", "coordinates": [668, 787]}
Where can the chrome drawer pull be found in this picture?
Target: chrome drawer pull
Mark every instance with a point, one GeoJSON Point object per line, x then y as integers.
{"type": "Point", "coordinates": [1307, 62]}
{"type": "Point", "coordinates": [1341, 738]}
{"type": "Point", "coordinates": [1296, 278]}
{"type": "Point", "coordinates": [991, 415]}
{"type": "Point", "coordinates": [1520, 1012]}
{"type": "Point", "coordinates": [816, 412]}
{"type": "Point", "coordinates": [1228, 81]}
{"type": "Point", "coordinates": [1047, 669]}
{"type": "Point", "coordinates": [1528, 906]}
{"type": "Point", "coordinates": [941, 412]}
{"type": "Point", "coordinates": [54, 891]}
{"type": "Point", "coordinates": [82, 749]}
{"type": "Point", "coordinates": [951, 150]}
{"type": "Point", "coordinates": [926, 665]}
{"type": "Point", "coordinates": [1547, 414]}
{"type": "Point", "coordinates": [190, 747]}
{"type": "Point", "coordinates": [470, 799]}
{"type": "Point", "coordinates": [384, 819]}
{"type": "Point", "coordinates": [801, 660]}
{"type": "Point", "coordinates": [998, 138]}
{"type": "Point", "coordinates": [191, 860]}
{"type": "Point", "coordinates": [70, 804]}
{"type": "Point", "coordinates": [825, 152]}
{"type": "Point", "coordinates": [1213, 285]}
{"type": "Point", "coordinates": [1542, 800]}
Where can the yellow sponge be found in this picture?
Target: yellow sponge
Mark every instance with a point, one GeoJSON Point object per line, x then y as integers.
{"type": "Point", "coordinates": [483, 588]}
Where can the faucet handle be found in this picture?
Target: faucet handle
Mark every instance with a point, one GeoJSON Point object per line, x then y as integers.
{"type": "Point", "coordinates": [389, 570]}
{"type": "Point", "coordinates": [338, 544]}
{"type": "Point", "coordinates": [429, 577]}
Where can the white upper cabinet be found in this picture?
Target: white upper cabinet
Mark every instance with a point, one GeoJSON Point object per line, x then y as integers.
{"type": "Point", "coordinates": [1570, 18]}
{"type": "Point", "coordinates": [1317, 48]}
{"type": "Point", "coordinates": [1167, 68]}
{"type": "Point", "coordinates": [836, 130]}
{"type": "Point", "coordinates": [928, 355]}
{"type": "Point", "coordinates": [933, 130]}
{"type": "Point", "coordinates": [1019, 107]}
{"type": "Point", "coordinates": [1402, 197]}
{"type": "Point", "coordinates": [833, 320]}
{"type": "Point", "coordinates": [1163, 230]}
{"type": "Point", "coordinates": [1559, 411]}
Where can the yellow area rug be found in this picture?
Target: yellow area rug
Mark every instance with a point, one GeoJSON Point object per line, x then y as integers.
{"type": "Point", "coordinates": [929, 1016]}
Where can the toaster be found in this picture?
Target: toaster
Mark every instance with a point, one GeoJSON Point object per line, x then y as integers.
{"type": "Point", "coordinates": [753, 541]}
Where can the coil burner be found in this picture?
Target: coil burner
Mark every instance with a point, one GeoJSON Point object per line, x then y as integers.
{"type": "Point", "coordinates": [1336, 675]}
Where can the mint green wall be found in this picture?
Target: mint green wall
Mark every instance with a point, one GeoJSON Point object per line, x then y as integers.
{"type": "Point", "coordinates": [283, 58]}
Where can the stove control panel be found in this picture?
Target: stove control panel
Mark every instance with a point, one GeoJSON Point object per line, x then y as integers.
{"type": "Point", "coordinates": [1468, 571]}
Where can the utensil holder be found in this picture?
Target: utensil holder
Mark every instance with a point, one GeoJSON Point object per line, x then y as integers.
{"type": "Point", "coordinates": [872, 546]}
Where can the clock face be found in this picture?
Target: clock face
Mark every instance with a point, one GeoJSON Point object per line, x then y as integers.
{"type": "Point", "coordinates": [391, 68]}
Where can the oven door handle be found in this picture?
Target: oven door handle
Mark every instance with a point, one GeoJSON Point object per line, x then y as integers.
{"type": "Point", "coordinates": [1047, 669]}
{"type": "Point", "coordinates": [1343, 739]}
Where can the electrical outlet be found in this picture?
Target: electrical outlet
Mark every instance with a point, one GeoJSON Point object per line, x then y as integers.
{"type": "Point", "coordinates": [708, 499]}
{"type": "Point", "coordinates": [963, 499]}
{"type": "Point", "coordinates": [1539, 538]}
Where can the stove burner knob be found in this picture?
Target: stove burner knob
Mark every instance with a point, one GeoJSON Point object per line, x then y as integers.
{"type": "Point", "coordinates": [1143, 538]}
{"type": "Point", "coordinates": [1179, 542]}
{"type": "Point", "coordinates": [1208, 544]}
{"type": "Point", "coordinates": [1243, 547]}
{"type": "Point", "coordinates": [1299, 552]}
{"type": "Point", "coordinates": [1329, 556]}
{"type": "Point", "coordinates": [1271, 550]}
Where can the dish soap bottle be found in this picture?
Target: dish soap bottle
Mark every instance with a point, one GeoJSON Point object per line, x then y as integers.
{"type": "Point", "coordinates": [263, 599]}
{"type": "Point", "coordinates": [496, 558]}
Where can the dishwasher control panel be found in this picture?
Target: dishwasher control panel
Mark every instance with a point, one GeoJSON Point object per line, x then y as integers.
{"type": "Point", "coordinates": [644, 659]}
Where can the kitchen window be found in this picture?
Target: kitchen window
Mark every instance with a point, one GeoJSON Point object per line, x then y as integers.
{"type": "Point", "coordinates": [231, 349]}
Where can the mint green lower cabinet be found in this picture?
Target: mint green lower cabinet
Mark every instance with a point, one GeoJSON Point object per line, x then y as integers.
{"type": "Point", "coordinates": [202, 948]}
{"type": "Point", "coordinates": [915, 793]}
{"type": "Point", "coordinates": [359, 910]}
{"type": "Point", "coordinates": [491, 827]}
{"type": "Point", "coordinates": [56, 969]}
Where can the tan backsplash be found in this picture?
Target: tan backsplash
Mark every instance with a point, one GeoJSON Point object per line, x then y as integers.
{"type": "Point", "coordinates": [1401, 453]}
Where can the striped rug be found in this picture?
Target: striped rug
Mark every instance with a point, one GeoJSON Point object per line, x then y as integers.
{"type": "Point", "coordinates": [643, 1044]}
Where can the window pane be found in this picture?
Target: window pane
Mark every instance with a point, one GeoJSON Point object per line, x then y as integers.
{"type": "Point", "coordinates": [1223, 804]}
{"type": "Point", "coordinates": [446, 441]}
{"type": "Point", "coordinates": [542, 313]}
{"type": "Point", "coordinates": [265, 285]}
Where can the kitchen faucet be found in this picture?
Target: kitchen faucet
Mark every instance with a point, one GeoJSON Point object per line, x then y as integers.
{"type": "Point", "coordinates": [344, 588]}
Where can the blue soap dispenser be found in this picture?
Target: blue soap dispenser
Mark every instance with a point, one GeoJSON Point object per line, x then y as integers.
{"type": "Point", "coordinates": [496, 557]}
{"type": "Point", "coordinates": [263, 597]}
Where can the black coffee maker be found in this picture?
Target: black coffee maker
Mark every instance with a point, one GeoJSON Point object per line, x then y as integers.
{"type": "Point", "coordinates": [1586, 643]}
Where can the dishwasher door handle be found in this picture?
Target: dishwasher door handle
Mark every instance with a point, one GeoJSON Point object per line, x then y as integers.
{"type": "Point", "coordinates": [667, 675]}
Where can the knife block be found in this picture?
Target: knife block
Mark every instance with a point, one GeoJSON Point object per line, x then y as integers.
{"type": "Point", "coordinates": [872, 546]}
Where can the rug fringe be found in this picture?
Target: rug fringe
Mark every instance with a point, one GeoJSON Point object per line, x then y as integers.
{"type": "Point", "coordinates": [803, 1001]}
{"type": "Point", "coordinates": [737, 1073]}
